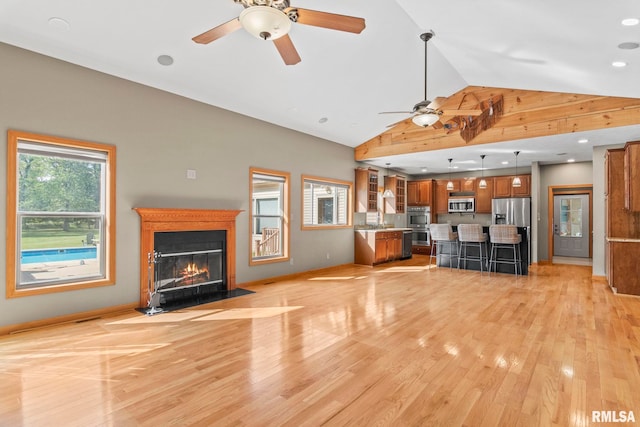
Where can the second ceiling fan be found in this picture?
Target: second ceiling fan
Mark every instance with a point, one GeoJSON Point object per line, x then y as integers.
{"type": "Point", "coordinates": [271, 20]}
{"type": "Point", "coordinates": [427, 113]}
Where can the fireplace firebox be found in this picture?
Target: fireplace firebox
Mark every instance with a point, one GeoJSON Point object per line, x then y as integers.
{"type": "Point", "coordinates": [189, 266]}
{"type": "Point", "coordinates": [185, 255]}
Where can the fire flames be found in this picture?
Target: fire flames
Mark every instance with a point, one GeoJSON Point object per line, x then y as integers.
{"type": "Point", "coordinates": [193, 273]}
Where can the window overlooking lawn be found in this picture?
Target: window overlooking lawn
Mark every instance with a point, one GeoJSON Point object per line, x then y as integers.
{"type": "Point", "coordinates": [326, 203]}
{"type": "Point", "coordinates": [60, 214]}
{"type": "Point", "coordinates": [269, 216]}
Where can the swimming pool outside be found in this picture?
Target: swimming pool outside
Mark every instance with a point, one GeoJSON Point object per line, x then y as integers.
{"type": "Point", "coordinates": [63, 254]}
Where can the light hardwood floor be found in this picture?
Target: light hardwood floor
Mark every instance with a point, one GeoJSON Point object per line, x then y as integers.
{"type": "Point", "coordinates": [392, 345]}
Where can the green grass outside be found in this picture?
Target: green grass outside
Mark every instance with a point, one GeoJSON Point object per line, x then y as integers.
{"type": "Point", "coordinates": [55, 238]}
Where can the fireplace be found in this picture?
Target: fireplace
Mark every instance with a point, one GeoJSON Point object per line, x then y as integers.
{"type": "Point", "coordinates": [185, 254]}
{"type": "Point", "coordinates": [189, 266]}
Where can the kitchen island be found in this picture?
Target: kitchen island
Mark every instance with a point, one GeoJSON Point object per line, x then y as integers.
{"type": "Point", "coordinates": [445, 258]}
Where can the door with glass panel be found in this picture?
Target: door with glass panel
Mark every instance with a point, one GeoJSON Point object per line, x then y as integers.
{"type": "Point", "coordinates": [571, 225]}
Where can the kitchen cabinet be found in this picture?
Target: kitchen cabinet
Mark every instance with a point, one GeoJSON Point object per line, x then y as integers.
{"type": "Point", "coordinates": [419, 193]}
{"type": "Point", "coordinates": [484, 196]}
{"type": "Point", "coordinates": [502, 186]}
{"type": "Point", "coordinates": [467, 185]}
{"type": "Point", "coordinates": [624, 268]}
{"type": "Point", "coordinates": [622, 228]}
{"type": "Point", "coordinates": [421, 250]}
{"type": "Point", "coordinates": [366, 184]}
{"type": "Point", "coordinates": [441, 198]}
{"type": "Point", "coordinates": [632, 176]}
{"type": "Point", "coordinates": [397, 203]}
{"type": "Point", "coordinates": [377, 246]}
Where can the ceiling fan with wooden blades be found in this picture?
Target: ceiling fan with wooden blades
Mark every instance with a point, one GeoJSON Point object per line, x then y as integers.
{"type": "Point", "coordinates": [271, 20]}
{"type": "Point", "coordinates": [427, 113]}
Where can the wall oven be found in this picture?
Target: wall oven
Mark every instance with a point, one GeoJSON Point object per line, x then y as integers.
{"type": "Point", "coordinates": [420, 237]}
{"type": "Point", "coordinates": [419, 218]}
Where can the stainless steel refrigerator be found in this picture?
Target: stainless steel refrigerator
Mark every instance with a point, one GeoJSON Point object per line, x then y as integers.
{"type": "Point", "coordinates": [515, 211]}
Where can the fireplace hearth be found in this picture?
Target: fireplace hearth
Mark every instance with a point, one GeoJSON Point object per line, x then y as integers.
{"type": "Point", "coordinates": [187, 256]}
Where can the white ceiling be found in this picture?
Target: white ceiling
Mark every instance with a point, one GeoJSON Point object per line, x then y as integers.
{"type": "Point", "coordinates": [349, 78]}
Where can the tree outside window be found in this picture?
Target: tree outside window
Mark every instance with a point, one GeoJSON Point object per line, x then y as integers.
{"type": "Point", "coordinates": [61, 208]}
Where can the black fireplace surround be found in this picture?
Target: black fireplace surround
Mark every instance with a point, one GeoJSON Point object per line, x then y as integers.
{"type": "Point", "coordinates": [189, 267]}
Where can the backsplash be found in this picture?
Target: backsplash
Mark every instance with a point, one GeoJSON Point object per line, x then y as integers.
{"type": "Point", "coordinates": [464, 218]}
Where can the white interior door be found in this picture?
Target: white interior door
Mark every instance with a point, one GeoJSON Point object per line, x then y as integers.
{"type": "Point", "coordinates": [571, 225]}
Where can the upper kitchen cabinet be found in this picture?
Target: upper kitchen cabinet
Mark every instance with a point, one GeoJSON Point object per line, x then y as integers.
{"type": "Point", "coordinates": [397, 203]}
{"type": "Point", "coordinates": [468, 185]}
{"type": "Point", "coordinates": [419, 193]}
{"type": "Point", "coordinates": [484, 196]}
{"type": "Point", "coordinates": [502, 186]}
{"type": "Point", "coordinates": [632, 176]}
{"type": "Point", "coordinates": [441, 197]}
{"type": "Point", "coordinates": [366, 190]}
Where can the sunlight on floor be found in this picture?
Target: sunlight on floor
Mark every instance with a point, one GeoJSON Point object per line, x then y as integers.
{"type": "Point", "coordinates": [337, 278]}
{"type": "Point", "coordinates": [173, 316]}
{"type": "Point", "coordinates": [408, 269]}
{"type": "Point", "coordinates": [248, 313]}
{"type": "Point", "coordinates": [206, 315]}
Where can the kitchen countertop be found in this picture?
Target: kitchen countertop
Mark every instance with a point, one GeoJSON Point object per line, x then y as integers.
{"type": "Point", "coordinates": [373, 230]}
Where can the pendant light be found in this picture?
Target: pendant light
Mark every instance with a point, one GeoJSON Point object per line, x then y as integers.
{"type": "Point", "coordinates": [516, 181]}
{"type": "Point", "coordinates": [483, 182]}
{"type": "Point", "coordinates": [450, 183]}
{"type": "Point", "coordinates": [388, 194]}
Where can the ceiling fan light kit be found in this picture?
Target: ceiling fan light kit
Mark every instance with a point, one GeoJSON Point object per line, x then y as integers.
{"type": "Point", "coordinates": [264, 22]}
{"type": "Point", "coordinates": [272, 20]}
{"type": "Point", "coordinates": [425, 119]}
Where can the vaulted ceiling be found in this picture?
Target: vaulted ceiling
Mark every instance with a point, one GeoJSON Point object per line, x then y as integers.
{"type": "Point", "coordinates": [345, 80]}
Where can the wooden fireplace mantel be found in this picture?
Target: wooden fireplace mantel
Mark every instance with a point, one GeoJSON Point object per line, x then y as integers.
{"type": "Point", "coordinates": [166, 219]}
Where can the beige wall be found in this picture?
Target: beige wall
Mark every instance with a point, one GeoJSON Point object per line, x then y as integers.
{"type": "Point", "coordinates": [158, 137]}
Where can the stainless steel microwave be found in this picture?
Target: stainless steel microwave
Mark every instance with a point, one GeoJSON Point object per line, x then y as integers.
{"type": "Point", "coordinates": [462, 205]}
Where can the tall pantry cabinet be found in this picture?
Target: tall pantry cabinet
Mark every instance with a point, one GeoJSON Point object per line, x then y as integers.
{"type": "Point", "coordinates": [622, 224]}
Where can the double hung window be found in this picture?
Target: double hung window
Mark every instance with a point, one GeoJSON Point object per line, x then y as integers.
{"type": "Point", "coordinates": [269, 216]}
{"type": "Point", "coordinates": [60, 214]}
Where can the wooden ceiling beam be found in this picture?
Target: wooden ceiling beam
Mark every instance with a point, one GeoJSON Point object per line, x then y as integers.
{"type": "Point", "coordinates": [527, 114]}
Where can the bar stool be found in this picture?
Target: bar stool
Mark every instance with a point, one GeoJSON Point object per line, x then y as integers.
{"type": "Point", "coordinates": [441, 235]}
{"type": "Point", "coordinates": [471, 235]}
{"type": "Point", "coordinates": [505, 236]}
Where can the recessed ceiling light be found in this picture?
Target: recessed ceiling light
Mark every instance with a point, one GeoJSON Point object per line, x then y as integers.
{"type": "Point", "coordinates": [165, 60]}
{"type": "Point", "coordinates": [630, 21]}
{"type": "Point", "coordinates": [571, 160]}
{"type": "Point", "coordinates": [505, 162]}
{"type": "Point", "coordinates": [583, 141]}
{"type": "Point", "coordinates": [323, 120]}
{"type": "Point", "coordinates": [619, 64]}
{"type": "Point", "coordinates": [628, 45]}
{"type": "Point", "coordinates": [423, 169]}
{"type": "Point", "coordinates": [58, 23]}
